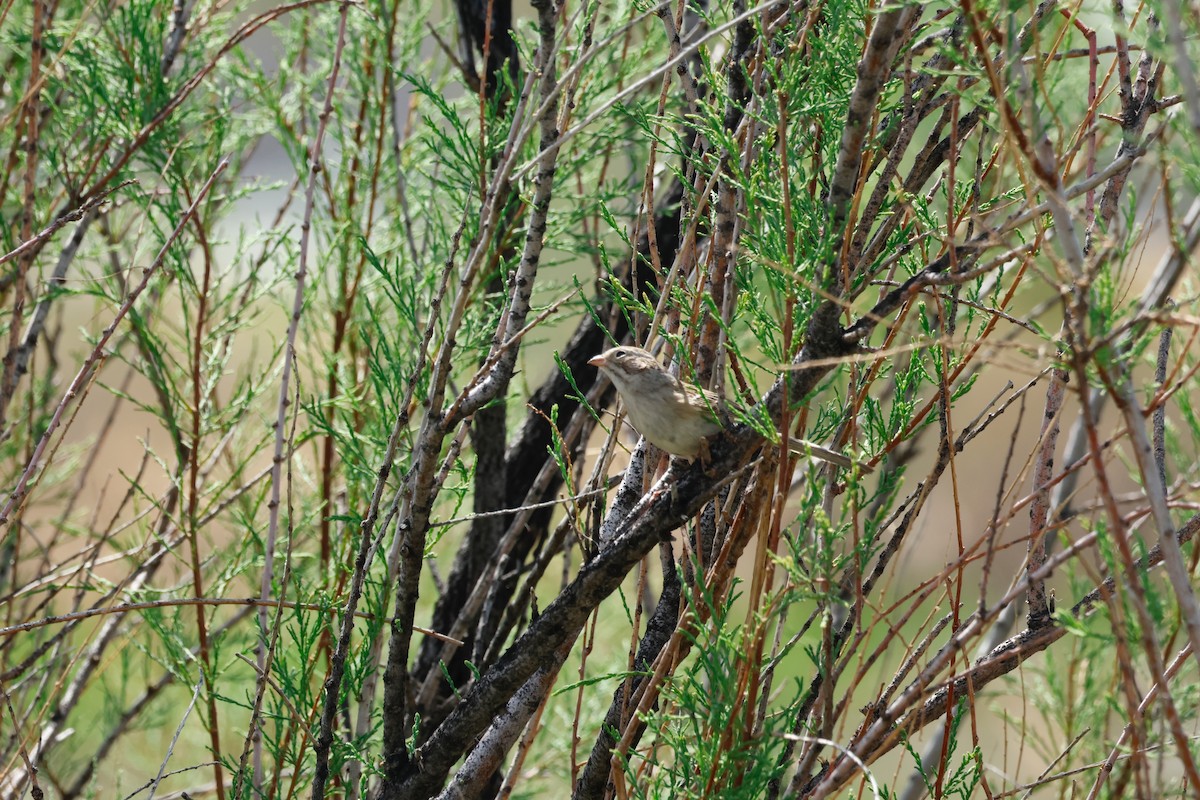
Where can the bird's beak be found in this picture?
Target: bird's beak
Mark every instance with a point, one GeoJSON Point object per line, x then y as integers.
{"type": "Point", "coordinates": [597, 361]}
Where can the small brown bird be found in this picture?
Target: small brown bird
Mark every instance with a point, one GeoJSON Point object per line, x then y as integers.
{"type": "Point", "coordinates": [674, 416]}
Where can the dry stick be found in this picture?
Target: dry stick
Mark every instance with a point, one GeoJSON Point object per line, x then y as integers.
{"type": "Point", "coordinates": [924, 591]}
{"type": "Point", "coordinates": [933, 274]}
{"type": "Point", "coordinates": [1087, 128]}
{"type": "Point", "coordinates": [71, 216]}
{"type": "Point", "coordinates": [534, 570]}
{"type": "Point", "coordinates": [883, 734]}
{"type": "Point", "coordinates": [404, 557]}
{"type": "Point", "coordinates": [90, 556]}
{"type": "Point", "coordinates": [781, 651]}
{"type": "Point", "coordinates": [501, 361]}
{"type": "Point", "coordinates": [368, 546]}
{"type": "Point", "coordinates": [369, 542]}
{"type": "Point", "coordinates": [252, 26]}
{"type": "Point", "coordinates": [685, 255]}
{"type": "Point", "coordinates": [1075, 446]}
{"type": "Point", "coordinates": [133, 712]}
{"type": "Point", "coordinates": [656, 515]}
{"type": "Point", "coordinates": [315, 155]}
{"type": "Point", "coordinates": [1105, 769]}
{"type": "Point", "coordinates": [1185, 71]}
{"type": "Point", "coordinates": [674, 49]}
{"type": "Point", "coordinates": [1104, 765]}
{"type": "Point", "coordinates": [488, 225]}
{"type": "Point", "coordinates": [252, 743]}
{"type": "Point", "coordinates": [486, 755]}
{"type": "Point", "coordinates": [421, 489]}
{"type": "Point", "coordinates": [1160, 411]}
{"type": "Point", "coordinates": [1137, 104]}
{"type": "Point", "coordinates": [915, 789]}
{"type": "Point", "coordinates": [162, 767]}
{"type": "Point", "coordinates": [672, 63]}
{"type": "Point", "coordinates": [19, 492]}
{"type": "Point", "coordinates": [252, 602]}
{"type": "Point", "coordinates": [1155, 490]}
{"type": "Point", "coordinates": [56, 539]}
{"type": "Point", "coordinates": [32, 113]}
{"type": "Point", "coordinates": [1039, 510]}
{"type": "Point", "coordinates": [513, 320]}
{"type": "Point", "coordinates": [1057, 759]}
{"type": "Point", "coordinates": [400, 133]}
{"type": "Point", "coordinates": [890, 29]}
{"type": "Point", "coordinates": [590, 781]}
{"type": "Point", "coordinates": [757, 516]}
{"type": "Point", "coordinates": [90, 657]}
{"type": "Point", "coordinates": [8, 783]}
{"type": "Point", "coordinates": [66, 572]}
{"type": "Point", "coordinates": [197, 790]}
{"type": "Point", "coordinates": [132, 146]}
{"type": "Point", "coordinates": [1121, 388]}
{"type": "Point", "coordinates": [349, 283]}
{"type": "Point", "coordinates": [647, 693]}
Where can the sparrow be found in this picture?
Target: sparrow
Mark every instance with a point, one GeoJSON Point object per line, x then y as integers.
{"type": "Point", "coordinates": [674, 416]}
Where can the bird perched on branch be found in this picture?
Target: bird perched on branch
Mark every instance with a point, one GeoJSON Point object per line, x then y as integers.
{"type": "Point", "coordinates": [674, 416]}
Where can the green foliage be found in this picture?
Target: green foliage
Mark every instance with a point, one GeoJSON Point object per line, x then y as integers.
{"type": "Point", "coordinates": [375, 276]}
{"type": "Point", "coordinates": [709, 748]}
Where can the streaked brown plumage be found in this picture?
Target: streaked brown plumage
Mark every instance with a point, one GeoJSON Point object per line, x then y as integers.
{"type": "Point", "coordinates": [672, 415]}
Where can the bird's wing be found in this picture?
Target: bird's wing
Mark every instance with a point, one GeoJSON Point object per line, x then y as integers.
{"type": "Point", "coordinates": [710, 401]}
